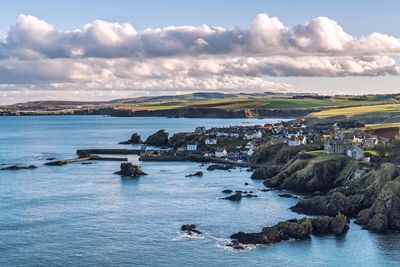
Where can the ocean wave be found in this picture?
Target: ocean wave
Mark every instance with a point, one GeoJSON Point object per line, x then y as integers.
{"type": "Point", "coordinates": [185, 236]}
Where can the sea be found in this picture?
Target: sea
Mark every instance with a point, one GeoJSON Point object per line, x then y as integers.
{"type": "Point", "coordinates": [85, 215]}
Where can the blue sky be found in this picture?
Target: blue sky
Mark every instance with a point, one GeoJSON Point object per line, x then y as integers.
{"type": "Point", "coordinates": [109, 49]}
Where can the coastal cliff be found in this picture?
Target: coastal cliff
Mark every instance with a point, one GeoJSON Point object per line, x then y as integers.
{"type": "Point", "coordinates": [372, 198]}
{"type": "Point", "coordinates": [213, 113]}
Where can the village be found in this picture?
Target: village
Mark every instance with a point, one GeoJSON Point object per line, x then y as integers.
{"type": "Point", "coordinates": [237, 144]}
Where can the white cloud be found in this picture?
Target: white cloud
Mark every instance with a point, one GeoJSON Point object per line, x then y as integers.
{"type": "Point", "coordinates": [114, 56]}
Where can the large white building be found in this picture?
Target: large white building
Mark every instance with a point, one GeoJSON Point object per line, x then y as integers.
{"type": "Point", "coordinates": [191, 147]}
{"type": "Point", "coordinates": [297, 140]}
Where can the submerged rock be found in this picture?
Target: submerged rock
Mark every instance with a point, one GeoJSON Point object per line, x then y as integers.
{"type": "Point", "coordinates": [130, 170]}
{"type": "Point", "coordinates": [17, 168]}
{"type": "Point", "coordinates": [190, 229]}
{"type": "Point", "coordinates": [160, 138]}
{"type": "Point", "coordinates": [198, 174]}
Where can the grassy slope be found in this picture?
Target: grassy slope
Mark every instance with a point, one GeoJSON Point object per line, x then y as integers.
{"type": "Point", "coordinates": [256, 103]}
{"type": "Point", "coordinates": [357, 111]}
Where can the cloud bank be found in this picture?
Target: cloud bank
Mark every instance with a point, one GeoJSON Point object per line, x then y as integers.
{"type": "Point", "coordinates": [114, 56]}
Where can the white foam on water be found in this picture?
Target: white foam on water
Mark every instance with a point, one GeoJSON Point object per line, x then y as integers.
{"type": "Point", "coordinates": [185, 236]}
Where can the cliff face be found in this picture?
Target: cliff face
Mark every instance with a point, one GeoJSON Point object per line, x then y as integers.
{"type": "Point", "coordinates": [211, 113]}
{"type": "Point", "coordinates": [374, 199]}
{"type": "Point", "coordinates": [276, 154]}
{"type": "Point", "coordinates": [310, 175]}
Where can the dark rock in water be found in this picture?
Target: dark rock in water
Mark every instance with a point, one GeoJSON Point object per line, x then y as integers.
{"type": "Point", "coordinates": [251, 195]}
{"type": "Point", "coordinates": [265, 190]}
{"type": "Point", "coordinates": [130, 170]}
{"type": "Point", "coordinates": [287, 195]}
{"type": "Point", "coordinates": [135, 139]}
{"type": "Point", "coordinates": [234, 197]}
{"type": "Point", "coordinates": [51, 158]}
{"type": "Point", "coordinates": [246, 183]}
{"type": "Point", "coordinates": [298, 229]}
{"type": "Point", "coordinates": [56, 163]}
{"type": "Point", "coordinates": [220, 167]}
{"type": "Point", "coordinates": [87, 163]}
{"type": "Point", "coordinates": [159, 138]}
{"type": "Point", "coordinates": [227, 191]}
{"type": "Point", "coordinates": [190, 229]}
{"type": "Point", "coordinates": [17, 168]}
{"type": "Point", "coordinates": [330, 225]}
{"type": "Point", "coordinates": [238, 191]}
{"type": "Point", "coordinates": [198, 174]}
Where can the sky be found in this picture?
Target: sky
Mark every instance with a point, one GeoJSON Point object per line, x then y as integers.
{"type": "Point", "coordinates": [101, 50]}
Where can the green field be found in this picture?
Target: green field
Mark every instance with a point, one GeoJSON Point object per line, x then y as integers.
{"type": "Point", "coordinates": [358, 111]}
{"type": "Point", "coordinates": [322, 154]}
{"type": "Point", "coordinates": [381, 125]}
{"type": "Point", "coordinates": [258, 103]}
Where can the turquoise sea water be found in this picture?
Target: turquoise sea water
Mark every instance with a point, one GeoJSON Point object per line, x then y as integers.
{"type": "Point", "coordinates": [84, 215]}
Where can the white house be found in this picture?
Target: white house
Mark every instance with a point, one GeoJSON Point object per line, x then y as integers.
{"type": "Point", "coordinates": [355, 152]}
{"type": "Point", "coordinates": [221, 153]}
{"type": "Point", "coordinates": [297, 140]}
{"type": "Point", "coordinates": [191, 147]}
{"type": "Point", "coordinates": [211, 141]}
{"type": "Point", "coordinates": [250, 152]}
{"type": "Point", "coordinates": [254, 135]}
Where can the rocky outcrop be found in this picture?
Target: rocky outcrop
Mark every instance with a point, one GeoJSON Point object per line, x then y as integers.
{"type": "Point", "coordinates": [264, 173]}
{"type": "Point", "coordinates": [385, 211]}
{"type": "Point", "coordinates": [130, 170]}
{"type": "Point", "coordinates": [225, 167]}
{"type": "Point", "coordinates": [135, 139]}
{"type": "Point", "coordinates": [331, 204]}
{"type": "Point", "coordinates": [17, 168]}
{"type": "Point", "coordinates": [190, 229]}
{"type": "Point", "coordinates": [277, 154]}
{"type": "Point", "coordinates": [297, 229]}
{"type": "Point", "coordinates": [311, 175]}
{"type": "Point", "coordinates": [374, 198]}
{"type": "Point", "coordinates": [181, 139]}
{"type": "Point", "coordinates": [198, 174]}
{"type": "Point", "coordinates": [330, 225]}
{"type": "Point", "coordinates": [160, 138]}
